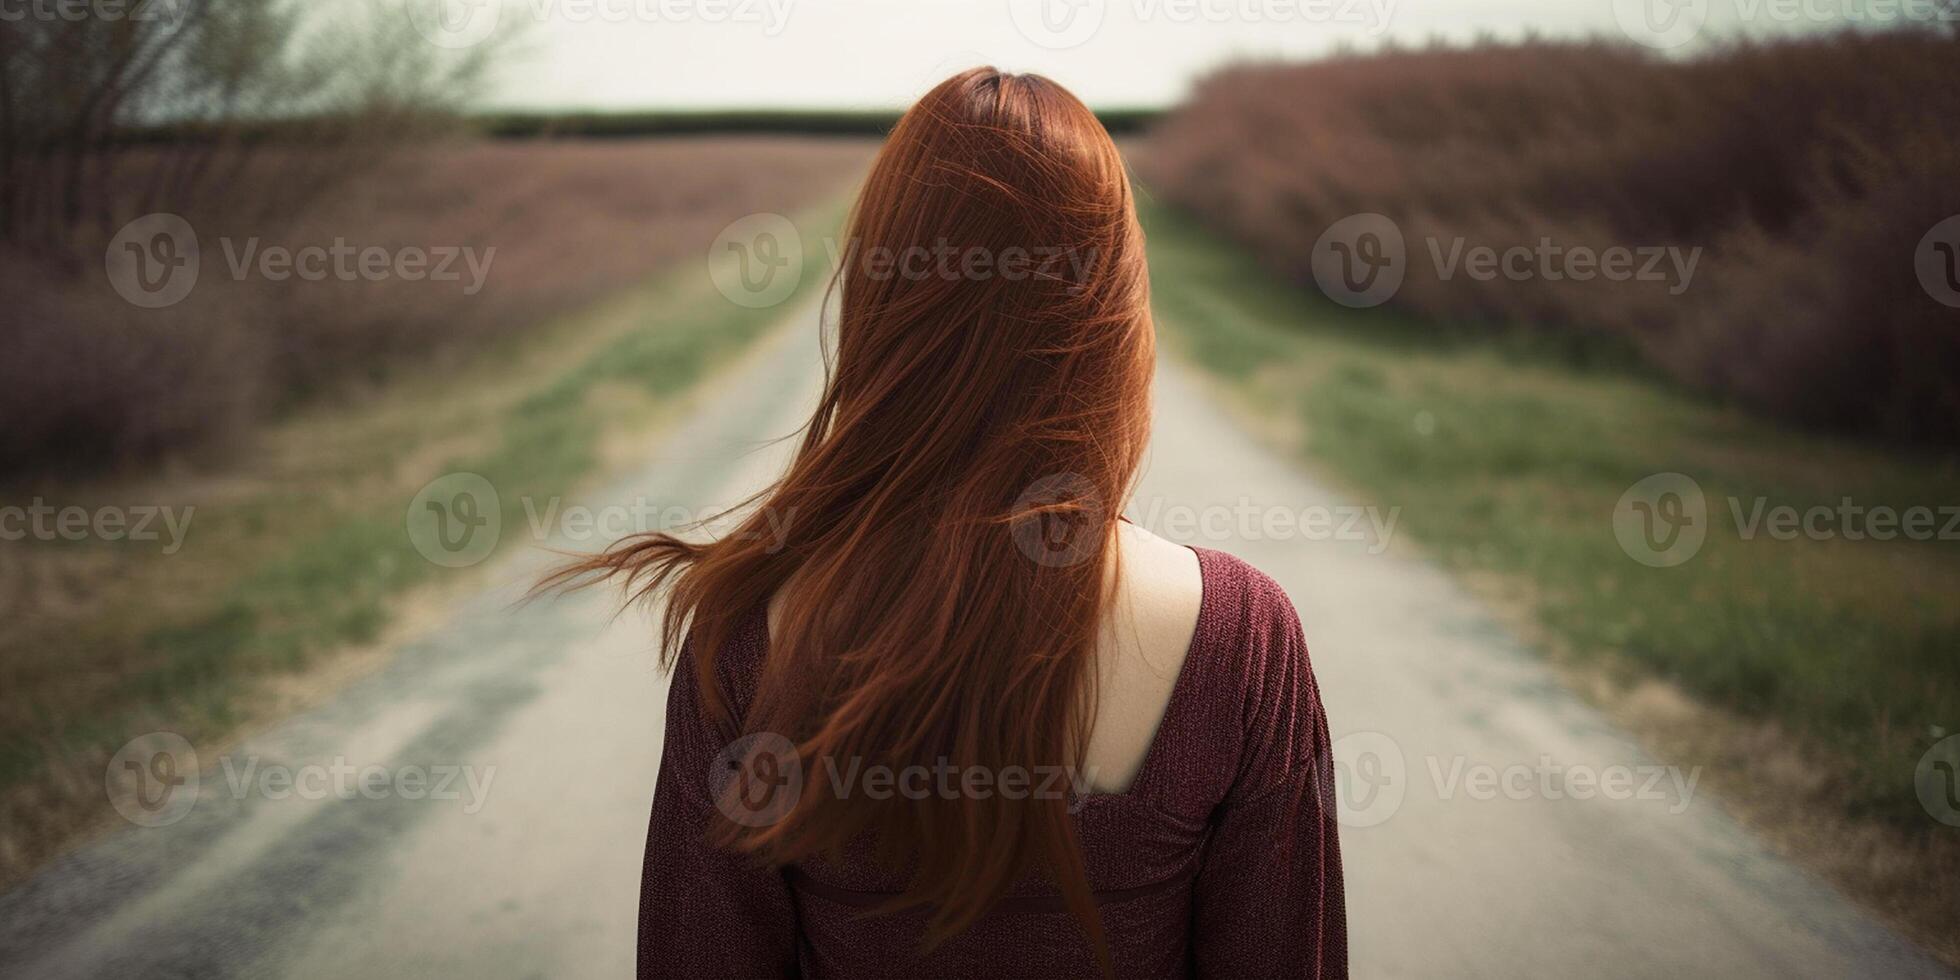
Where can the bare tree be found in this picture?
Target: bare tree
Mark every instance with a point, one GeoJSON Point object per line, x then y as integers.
{"type": "Point", "coordinates": [106, 115]}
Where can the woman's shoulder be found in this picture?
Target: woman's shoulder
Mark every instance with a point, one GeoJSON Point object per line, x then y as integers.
{"type": "Point", "coordinates": [1243, 600]}
{"type": "Point", "coordinates": [1249, 643]}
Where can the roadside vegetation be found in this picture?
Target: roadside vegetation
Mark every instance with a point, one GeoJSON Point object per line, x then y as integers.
{"type": "Point", "coordinates": [1817, 671]}
{"type": "Point", "coordinates": [527, 230]}
{"type": "Point", "coordinates": [1804, 175]}
{"type": "Point", "coordinates": [89, 381]}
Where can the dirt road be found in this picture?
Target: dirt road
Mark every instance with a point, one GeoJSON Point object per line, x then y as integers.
{"type": "Point", "coordinates": [1474, 846]}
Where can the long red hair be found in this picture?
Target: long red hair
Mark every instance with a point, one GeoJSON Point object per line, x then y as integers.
{"type": "Point", "coordinates": [948, 551]}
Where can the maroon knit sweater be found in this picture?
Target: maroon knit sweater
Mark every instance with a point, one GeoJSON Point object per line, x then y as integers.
{"type": "Point", "coordinates": [1220, 861]}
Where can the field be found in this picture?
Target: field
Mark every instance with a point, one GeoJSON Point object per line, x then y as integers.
{"type": "Point", "coordinates": [1808, 675]}
{"type": "Point", "coordinates": [598, 315]}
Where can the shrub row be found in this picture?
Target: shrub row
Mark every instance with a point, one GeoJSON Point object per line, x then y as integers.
{"type": "Point", "coordinates": [1808, 171]}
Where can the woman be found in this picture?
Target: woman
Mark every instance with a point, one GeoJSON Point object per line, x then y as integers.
{"type": "Point", "coordinates": [960, 718]}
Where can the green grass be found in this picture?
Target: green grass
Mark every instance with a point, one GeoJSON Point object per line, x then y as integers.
{"type": "Point", "coordinates": [1508, 458]}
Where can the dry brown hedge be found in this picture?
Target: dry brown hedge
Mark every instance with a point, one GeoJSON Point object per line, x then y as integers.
{"type": "Point", "coordinates": [89, 380]}
{"type": "Point", "coordinates": [1808, 170]}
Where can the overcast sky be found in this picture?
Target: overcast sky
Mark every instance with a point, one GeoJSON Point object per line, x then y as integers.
{"type": "Point", "coordinates": [884, 53]}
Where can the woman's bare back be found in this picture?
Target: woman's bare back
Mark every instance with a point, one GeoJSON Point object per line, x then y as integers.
{"type": "Point", "coordinates": [1140, 653]}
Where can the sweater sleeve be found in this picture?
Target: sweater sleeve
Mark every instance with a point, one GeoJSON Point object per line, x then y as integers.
{"type": "Point", "coordinates": [1269, 900]}
{"type": "Point", "coordinates": [704, 912]}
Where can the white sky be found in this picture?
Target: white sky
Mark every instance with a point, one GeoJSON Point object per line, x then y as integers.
{"type": "Point", "coordinates": [883, 53]}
